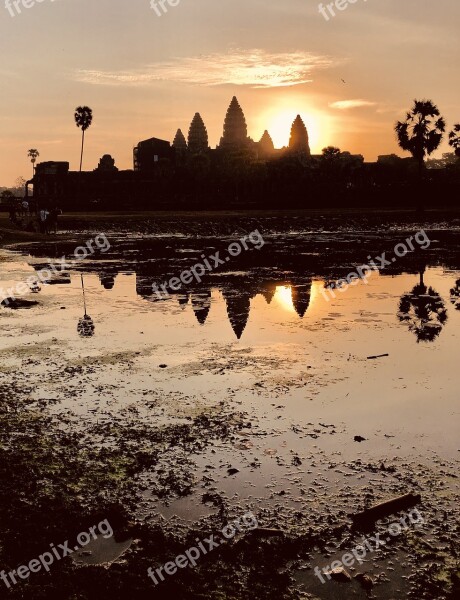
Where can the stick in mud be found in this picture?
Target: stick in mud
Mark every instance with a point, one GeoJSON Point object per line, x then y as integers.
{"type": "Point", "coordinates": [384, 509]}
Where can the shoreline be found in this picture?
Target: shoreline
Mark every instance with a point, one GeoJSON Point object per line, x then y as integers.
{"type": "Point", "coordinates": [179, 222]}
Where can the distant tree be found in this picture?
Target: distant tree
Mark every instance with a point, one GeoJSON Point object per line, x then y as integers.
{"type": "Point", "coordinates": [20, 182]}
{"type": "Point", "coordinates": [422, 131]}
{"type": "Point", "coordinates": [449, 159]}
{"type": "Point", "coordinates": [197, 136]}
{"type": "Point", "coordinates": [330, 163]}
{"type": "Point", "coordinates": [6, 196]}
{"type": "Point", "coordinates": [331, 153]}
{"type": "Point", "coordinates": [454, 139]}
{"type": "Point", "coordinates": [83, 119]}
{"type": "Point", "coordinates": [33, 154]}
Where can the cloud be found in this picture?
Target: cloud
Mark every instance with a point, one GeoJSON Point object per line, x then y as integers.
{"type": "Point", "coordinates": [347, 104]}
{"type": "Point", "coordinates": [255, 68]}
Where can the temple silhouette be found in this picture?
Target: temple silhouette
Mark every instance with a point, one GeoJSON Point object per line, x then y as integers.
{"type": "Point", "coordinates": [186, 173]}
{"type": "Point", "coordinates": [240, 172]}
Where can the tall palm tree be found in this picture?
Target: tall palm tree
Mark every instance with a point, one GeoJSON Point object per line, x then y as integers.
{"type": "Point", "coordinates": [422, 131]}
{"type": "Point", "coordinates": [454, 139]}
{"type": "Point", "coordinates": [83, 119]}
{"type": "Point", "coordinates": [33, 154]}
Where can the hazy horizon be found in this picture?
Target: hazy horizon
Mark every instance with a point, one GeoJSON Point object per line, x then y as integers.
{"type": "Point", "coordinates": [145, 76]}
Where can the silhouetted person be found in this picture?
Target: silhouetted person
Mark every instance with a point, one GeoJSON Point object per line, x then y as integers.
{"type": "Point", "coordinates": [52, 220]}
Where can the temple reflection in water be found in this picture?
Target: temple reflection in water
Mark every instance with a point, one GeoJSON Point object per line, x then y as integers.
{"type": "Point", "coordinates": [422, 310]}
{"type": "Point", "coordinates": [237, 294]}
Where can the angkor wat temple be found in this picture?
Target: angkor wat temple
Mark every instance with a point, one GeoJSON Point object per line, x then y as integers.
{"type": "Point", "coordinates": [239, 173]}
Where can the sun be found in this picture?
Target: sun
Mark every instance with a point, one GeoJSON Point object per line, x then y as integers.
{"type": "Point", "coordinates": [278, 123]}
{"type": "Point", "coordinates": [283, 296]}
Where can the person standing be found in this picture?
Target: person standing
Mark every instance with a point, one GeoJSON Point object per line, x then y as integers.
{"type": "Point", "coordinates": [43, 216]}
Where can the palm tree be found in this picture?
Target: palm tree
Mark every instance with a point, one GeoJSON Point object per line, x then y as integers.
{"type": "Point", "coordinates": [454, 139]}
{"type": "Point", "coordinates": [83, 119]}
{"type": "Point", "coordinates": [422, 131]}
{"type": "Point", "coordinates": [33, 154]}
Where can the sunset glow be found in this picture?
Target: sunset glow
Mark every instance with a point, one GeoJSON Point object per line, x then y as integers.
{"type": "Point", "coordinates": [159, 71]}
{"type": "Point", "coordinates": [279, 125]}
{"type": "Point", "coordinates": [283, 296]}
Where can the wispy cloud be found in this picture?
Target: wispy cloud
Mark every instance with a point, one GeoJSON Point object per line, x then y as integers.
{"type": "Point", "coordinates": [348, 104]}
{"type": "Point", "coordinates": [255, 68]}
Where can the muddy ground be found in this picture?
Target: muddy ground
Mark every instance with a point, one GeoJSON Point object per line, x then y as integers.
{"type": "Point", "coordinates": [90, 433]}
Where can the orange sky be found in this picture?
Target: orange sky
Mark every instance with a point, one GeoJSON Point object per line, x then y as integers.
{"type": "Point", "coordinates": [145, 75]}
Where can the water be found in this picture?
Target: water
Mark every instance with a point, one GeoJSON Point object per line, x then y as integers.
{"type": "Point", "coordinates": [293, 367]}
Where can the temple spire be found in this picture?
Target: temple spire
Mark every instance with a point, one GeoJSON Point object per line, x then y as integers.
{"type": "Point", "coordinates": [298, 141]}
{"type": "Point", "coordinates": [266, 144]}
{"type": "Point", "coordinates": [235, 129]}
{"type": "Point", "coordinates": [179, 142]}
{"type": "Point", "coordinates": [197, 136]}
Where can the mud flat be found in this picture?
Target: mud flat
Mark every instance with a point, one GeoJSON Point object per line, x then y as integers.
{"type": "Point", "coordinates": [243, 395]}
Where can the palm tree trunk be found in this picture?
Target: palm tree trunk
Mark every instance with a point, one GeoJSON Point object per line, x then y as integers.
{"type": "Point", "coordinates": [422, 273]}
{"type": "Point", "coordinates": [82, 144]}
{"type": "Point", "coordinates": [421, 171]}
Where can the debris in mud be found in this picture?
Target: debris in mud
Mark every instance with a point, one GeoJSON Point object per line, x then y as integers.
{"type": "Point", "coordinates": [366, 581]}
{"type": "Point", "coordinates": [59, 279]}
{"type": "Point", "coordinates": [17, 303]}
{"type": "Point", "coordinates": [377, 356]}
{"type": "Point", "coordinates": [267, 532]}
{"type": "Point", "coordinates": [384, 509]}
{"type": "Point", "coordinates": [359, 438]}
{"type": "Point", "coordinates": [339, 574]}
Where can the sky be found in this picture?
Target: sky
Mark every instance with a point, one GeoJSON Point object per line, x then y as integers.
{"type": "Point", "coordinates": [350, 77]}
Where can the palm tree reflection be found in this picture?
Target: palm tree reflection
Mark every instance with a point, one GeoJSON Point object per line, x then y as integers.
{"type": "Point", "coordinates": [85, 325]}
{"type": "Point", "coordinates": [423, 310]}
{"type": "Point", "coordinates": [455, 295]}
